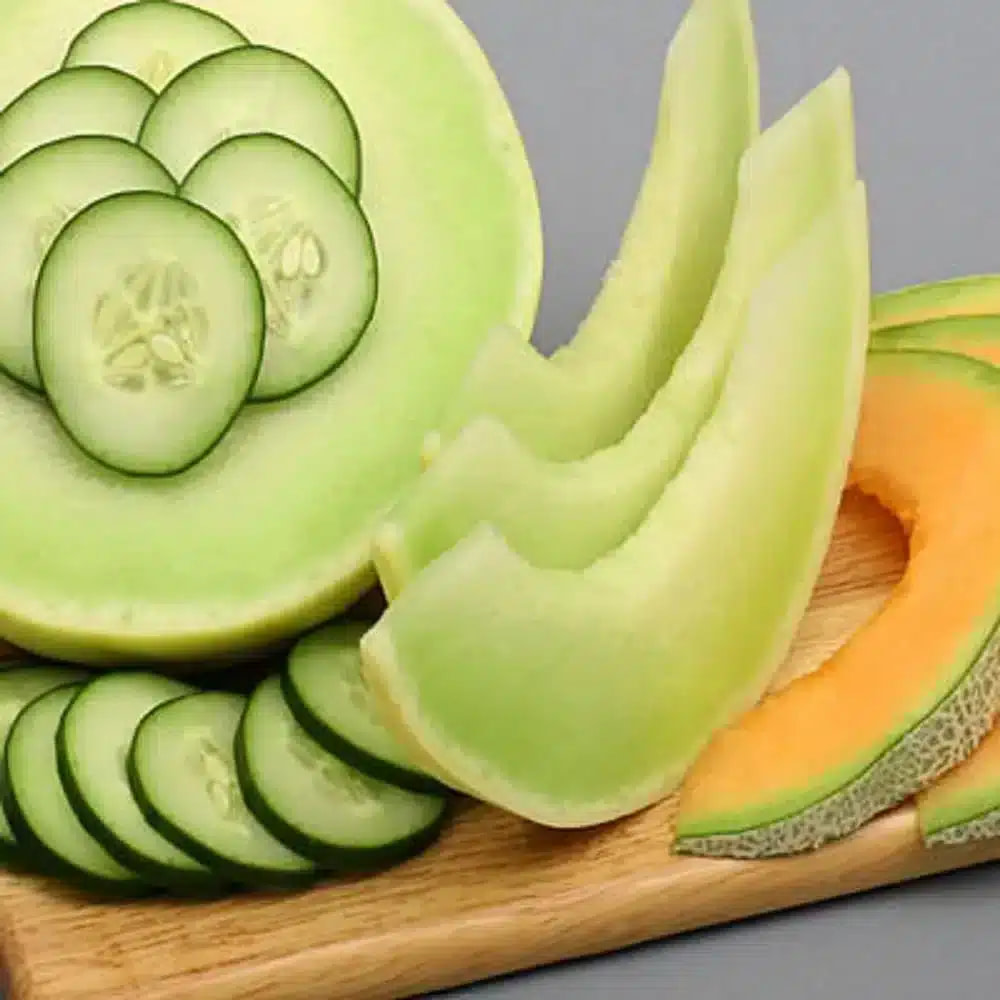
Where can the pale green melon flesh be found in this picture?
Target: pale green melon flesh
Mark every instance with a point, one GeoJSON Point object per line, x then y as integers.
{"type": "Point", "coordinates": [574, 698]}
{"type": "Point", "coordinates": [975, 295]}
{"type": "Point", "coordinates": [270, 534]}
{"type": "Point", "coordinates": [594, 388]}
{"type": "Point", "coordinates": [566, 515]}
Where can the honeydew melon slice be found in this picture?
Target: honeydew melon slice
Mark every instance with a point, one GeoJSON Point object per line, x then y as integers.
{"type": "Point", "coordinates": [572, 698]}
{"type": "Point", "coordinates": [971, 295]}
{"type": "Point", "coordinates": [270, 534]}
{"type": "Point", "coordinates": [566, 515]}
{"type": "Point", "coordinates": [912, 693]}
{"type": "Point", "coordinates": [592, 390]}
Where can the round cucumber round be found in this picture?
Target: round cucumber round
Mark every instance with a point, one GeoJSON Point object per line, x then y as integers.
{"type": "Point", "coordinates": [326, 693]}
{"type": "Point", "coordinates": [39, 194]}
{"type": "Point", "coordinates": [153, 40]}
{"type": "Point", "coordinates": [269, 535]}
{"type": "Point", "coordinates": [89, 100]}
{"type": "Point", "coordinates": [20, 684]}
{"type": "Point", "coordinates": [312, 246]}
{"type": "Point", "coordinates": [321, 806]}
{"type": "Point", "coordinates": [183, 774]}
{"type": "Point", "coordinates": [149, 331]}
{"type": "Point", "coordinates": [48, 833]}
{"type": "Point", "coordinates": [92, 745]}
{"type": "Point", "coordinates": [246, 91]}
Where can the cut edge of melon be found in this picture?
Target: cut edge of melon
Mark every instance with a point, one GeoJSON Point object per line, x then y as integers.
{"type": "Point", "coordinates": [969, 295]}
{"type": "Point", "coordinates": [913, 760]}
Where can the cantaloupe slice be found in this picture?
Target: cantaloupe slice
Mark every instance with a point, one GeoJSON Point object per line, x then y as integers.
{"type": "Point", "coordinates": [912, 693]}
{"type": "Point", "coordinates": [976, 336]}
{"type": "Point", "coordinates": [975, 295]}
{"type": "Point", "coordinates": [565, 515]}
{"type": "Point", "coordinates": [591, 391]}
{"type": "Point", "coordinates": [573, 698]}
{"type": "Point", "coordinates": [964, 805]}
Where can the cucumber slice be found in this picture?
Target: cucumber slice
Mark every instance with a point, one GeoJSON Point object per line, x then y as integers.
{"type": "Point", "coordinates": [326, 693]}
{"type": "Point", "coordinates": [153, 40]}
{"type": "Point", "coordinates": [20, 685]}
{"type": "Point", "coordinates": [89, 100]}
{"type": "Point", "coordinates": [311, 244]}
{"type": "Point", "coordinates": [322, 807]}
{"type": "Point", "coordinates": [246, 91]}
{"type": "Point", "coordinates": [183, 775]}
{"type": "Point", "coordinates": [92, 745]}
{"type": "Point", "coordinates": [149, 330]}
{"type": "Point", "coordinates": [47, 831]}
{"type": "Point", "coordinates": [39, 194]}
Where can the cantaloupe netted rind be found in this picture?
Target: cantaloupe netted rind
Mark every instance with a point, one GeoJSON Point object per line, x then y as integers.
{"type": "Point", "coordinates": [964, 805]}
{"type": "Point", "coordinates": [870, 728]}
{"type": "Point", "coordinates": [573, 698]}
{"type": "Point", "coordinates": [270, 534]}
{"type": "Point", "coordinates": [972, 295]}
{"type": "Point", "coordinates": [590, 391]}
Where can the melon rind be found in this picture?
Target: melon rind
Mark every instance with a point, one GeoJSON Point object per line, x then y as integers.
{"type": "Point", "coordinates": [591, 390]}
{"type": "Point", "coordinates": [945, 738]}
{"type": "Point", "coordinates": [972, 295]}
{"type": "Point", "coordinates": [972, 335]}
{"type": "Point", "coordinates": [565, 515]}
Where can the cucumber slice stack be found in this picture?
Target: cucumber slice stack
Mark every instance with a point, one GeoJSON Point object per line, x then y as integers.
{"type": "Point", "coordinates": [188, 236]}
{"type": "Point", "coordinates": [126, 784]}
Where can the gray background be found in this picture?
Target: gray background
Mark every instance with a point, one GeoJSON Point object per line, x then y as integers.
{"type": "Point", "coordinates": [583, 77]}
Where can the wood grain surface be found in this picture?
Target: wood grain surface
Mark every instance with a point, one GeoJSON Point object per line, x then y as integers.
{"type": "Point", "coordinates": [494, 896]}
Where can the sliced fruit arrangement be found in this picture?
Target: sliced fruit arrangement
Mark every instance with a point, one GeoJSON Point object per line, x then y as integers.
{"type": "Point", "coordinates": [131, 783]}
{"type": "Point", "coordinates": [590, 392]}
{"type": "Point", "coordinates": [169, 426]}
{"type": "Point", "coordinates": [500, 673]}
{"type": "Point", "coordinates": [262, 259]}
{"type": "Point", "coordinates": [912, 693]}
{"type": "Point", "coordinates": [566, 515]}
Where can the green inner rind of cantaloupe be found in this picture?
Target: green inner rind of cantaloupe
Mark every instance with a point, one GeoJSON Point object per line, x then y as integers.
{"type": "Point", "coordinates": [913, 754]}
{"type": "Point", "coordinates": [972, 814]}
{"type": "Point", "coordinates": [974, 295]}
{"type": "Point", "coordinates": [270, 533]}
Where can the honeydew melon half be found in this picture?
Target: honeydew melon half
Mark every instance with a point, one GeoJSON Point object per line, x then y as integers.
{"type": "Point", "coordinates": [912, 693]}
{"type": "Point", "coordinates": [572, 698]}
{"type": "Point", "coordinates": [970, 295]}
{"type": "Point", "coordinates": [592, 390]}
{"type": "Point", "coordinates": [566, 515]}
{"type": "Point", "coordinates": [270, 534]}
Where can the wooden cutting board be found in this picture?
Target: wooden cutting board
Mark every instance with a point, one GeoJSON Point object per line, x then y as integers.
{"type": "Point", "coordinates": [494, 896]}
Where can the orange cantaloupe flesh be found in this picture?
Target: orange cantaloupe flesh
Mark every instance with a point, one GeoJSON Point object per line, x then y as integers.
{"type": "Point", "coordinates": [928, 448]}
